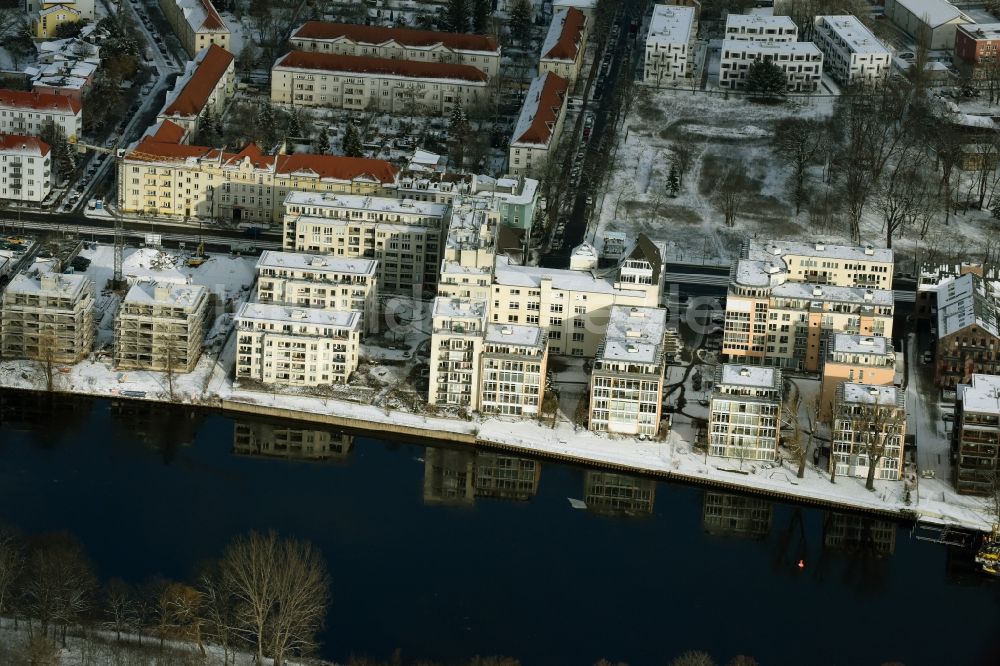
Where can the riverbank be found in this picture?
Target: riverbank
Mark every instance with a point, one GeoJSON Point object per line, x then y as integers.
{"type": "Point", "coordinates": [672, 458]}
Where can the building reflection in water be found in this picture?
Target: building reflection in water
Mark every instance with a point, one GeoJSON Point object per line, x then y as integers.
{"type": "Point", "coordinates": [740, 516]}
{"type": "Point", "coordinates": [162, 427]}
{"type": "Point", "coordinates": [506, 477]}
{"type": "Point", "coordinates": [449, 476]}
{"type": "Point", "coordinates": [277, 440]}
{"type": "Point", "coordinates": [618, 494]}
{"type": "Point", "coordinates": [859, 535]}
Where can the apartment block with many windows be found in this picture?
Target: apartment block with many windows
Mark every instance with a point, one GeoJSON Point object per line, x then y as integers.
{"type": "Point", "coordinates": [851, 52]}
{"type": "Point", "coordinates": [626, 383]}
{"type": "Point", "coordinates": [196, 23]}
{"type": "Point", "coordinates": [27, 113]}
{"type": "Point", "coordinates": [296, 346]}
{"type": "Point", "coordinates": [161, 326]}
{"type": "Point", "coordinates": [859, 359]}
{"type": "Point", "coordinates": [976, 435]}
{"type": "Point", "coordinates": [506, 476]}
{"type": "Point", "coordinates": [867, 416]}
{"type": "Point", "coordinates": [786, 299]}
{"type": "Point", "coordinates": [403, 236]}
{"type": "Point", "coordinates": [326, 282]}
{"type": "Point", "coordinates": [208, 83]}
{"type": "Point", "coordinates": [512, 375]}
{"type": "Point", "coordinates": [669, 58]}
{"type": "Point", "coordinates": [745, 412]}
{"type": "Point", "coordinates": [457, 335]}
{"type": "Point", "coordinates": [479, 51]}
{"type": "Point", "coordinates": [761, 28]}
{"type": "Point", "coordinates": [968, 328]}
{"type": "Point", "coordinates": [801, 63]}
{"type": "Point", "coordinates": [48, 317]}
{"type": "Point", "coordinates": [25, 168]}
{"type": "Point", "coordinates": [470, 252]}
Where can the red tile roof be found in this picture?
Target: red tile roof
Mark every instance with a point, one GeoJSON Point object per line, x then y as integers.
{"type": "Point", "coordinates": [340, 168]}
{"type": "Point", "coordinates": [568, 44]}
{"type": "Point", "coordinates": [366, 65]}
{"type": "Point", "coordinates": [168, 132]}
{"type": "Point", "coordinates": [546, 108]}
{"type": "Point", "coordinates": [12, 142]}
{"type": "Point", "coordinates": [192, 99]}
{"type": "Point", "coordinates": [39, 101]}
{"type": "Point", "coordinates": [371, 34]}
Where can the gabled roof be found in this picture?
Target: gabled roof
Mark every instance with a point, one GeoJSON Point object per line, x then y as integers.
{"type": "Point", "coordinates": [19, 99]}
{"type": "Point", "coordinates": [201, 15]}
{"type": "Point", "coordinates": [338, 168]}
{"type": "Point", "coordinates": [210, 66]}
{"type": "Point", "coordinates": [645, 249]}
{"type": "Point", "coordinates": [565, 34]}
{"type": "Point", "coordinates": [167, 132]}
{"type": "Point", "coordinates": [932, 12]}
{"type": "Point", "coordinates": [23, 145]}
{"type": "Point", "coordinates": [371, 34]}
{"type": "Point", "coordinates": [367, 65]}
{"type": "Point", "coordinates": [541, 109]}
{"type": "Point", "coordinates": [966, 301]}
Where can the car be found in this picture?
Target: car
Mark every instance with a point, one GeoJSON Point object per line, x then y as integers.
{"type": "Point", "coordinates": [927, 357]}
{"type": "Point", "coordinates": [704, 403]}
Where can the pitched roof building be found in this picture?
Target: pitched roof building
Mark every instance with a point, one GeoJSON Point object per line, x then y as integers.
{"type": "Point", "coordinates": [209, 82]}
{"type": "Point", "coordinates": [562, 50]}
{"type": "Point", "coordinates": [539, 124]}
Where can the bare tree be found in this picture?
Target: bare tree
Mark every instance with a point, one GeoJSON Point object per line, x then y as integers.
{"type": "Point", "coordinates": [731, 192]}
{"type": "Point", "coordinates": [58, 583]}
{"type": "Point", "coordinates": [11, 563]}
{"type": "Point", "coordinates": [684, 149]}
{"type": "Point", "coordinates": [799, 142]}
{"type": "Point", "coordinates": [906, 195]}
{"type": "Point", "coordinates": [870, 428]}
{"type": "Point", "coordinates": [218, 612]}
{"type": "Point", "coordinates": [693, 658]}
{"type": "Point", "coordinates": [119, 608]}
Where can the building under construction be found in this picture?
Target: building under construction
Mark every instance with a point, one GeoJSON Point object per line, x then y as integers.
{"type": "Point", "coordinates": [161, 326]}
{"type": "Point", "coordinates": [48, 317]}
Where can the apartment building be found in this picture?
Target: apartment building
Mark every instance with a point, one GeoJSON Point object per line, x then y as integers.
{"type": "Point", "coordinates": [161, 326]}
{"type": "Point", "coordinates": [618, 494]}
{"type": "Point", "coordinates": [51, 16]}
{"type": "Point", "coordinates": [565, 42]}
{"type": "Point", "coordinates": [196, 23]}
{"type": "Point", "coordinates": [626, 383]}
{"type": "Point", "coordinates": [801, 62]}
{"type": "Point", "coordinates": [208, 83]}
{"type": "Point", "coordinates": [48, 317]}
{"type": "Point", "coordinates": [514, 196]}
{"type": "Point", "coordinates": [968, 329]}
{"type": "Point", "coordinates": [975, 44]}
{"type": "Point", "coordinates": [574, 306]}
{"type": "Point", "coordinates": [867, 416]}
{"type": "Point", "coordinates": [669, 45]}
{"type": "Point", "coordinates": [365, 83]}
{"type": "Point", "coordinates": [269, 440]}
{"type": "Point", "coordinates": [512, 370]}
{"type": "Point", "coordinates": [745, 412]}
{"type": "Point", "coordinates": [27, 112]}
{"type": "Point", "coordinates": [786, 299]}
{"type": "Point", "coordinates": [851, 52]}
{"type": "Point", "coordinates": [25, 168]}
{"type": "Point", "coordinates": [539, 125]}
{"type": "Point", "coordinates": [934, 21]}
{"type": "Point", "coordinates": [402, 235]}
{"type": "Point", "coordinates": [294, 279]}
{"type": "Point", "coordinates": [976, 435]}
{"type": "Point", "coordinates": [858, 359]}
{"type": "Point", "coordinates": [470, 252]}
{"type": "Point", "coordinates": [296, 346]}
{"type": "Point", "coordinates": [457, 336]}
{"type": "Point", "coordinates": [761, 28]}
{"type": "Point", "coordinates": [163, 177]}
{"type": "Point", "coordinates": [479, 51]}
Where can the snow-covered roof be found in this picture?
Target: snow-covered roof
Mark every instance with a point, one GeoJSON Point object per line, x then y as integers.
{"type": "Point", "coordinates": [446, 306]}
{"type": "Point", "coordinates": [765, 48]}
{"type": "Point", "coordinates": [49, 284]}
{"type": "Point", "coordinates": [869, 394]}
{"type": "Point", "coordinates": [981, 31]}
{"type": "Point", "coordinates": [539, 115]}
{"type": "Point", "coordinates": [931, 12]}
{"type": "Point", "coordinates": [166, 293]}
{"type": "Point", "coordinates": [734, 374]}
{"type": "Point", "coordinates": [671, 24]}
{"type": "Point", "coordinates": [634, 334]}
{"type": "Point", "coordinates": [828, 292]}
{"type": "Point", "coordinates": [760, 21]}
{"type": "Point", "coordinates": [516, 334]}
{"type": "Point", "coordinates": [966, 301]}
{"type": "Point", "coordinates": [271, 259]}
{"type": "Point", "coordinates": [294, 315]}
{"type": "Point", "coordinates": [386, 205]}
{"type": "Point", "coordinates": [981, 395]}
{"type": "Point", "coordinates": [849, 343]}
{"type": "Point", "coordinates": [853, 34]}
{"type": "Point", "coordinates": [562, 41]}
{"type": "Point", "coordinates": [513, 275]}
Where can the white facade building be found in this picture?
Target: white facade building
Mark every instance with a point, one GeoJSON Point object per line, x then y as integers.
{"type": "Point", "coordinates": [457, 336]}
{"type": "Point", "coordinates": [512, 372]}
{"type": "Point", "coordinates": [325, 282]}
{"type": "Point", "coordinates": [761, 28]}
{"type": "Point", "coordinates": [745, 412]}
{"type": "Point", "coordinates": [626, 384]}
{"type": "Point", "coordinates": [934, 21]}
{"type": "Point", "coordinates": [851, 52]}
{"type": "Point", "coordinates": [669, 56]}
{"type": "Point", "coordinates": [539, 125]}
{"type": "Point", "coordinates": [27, 112]}
{"type": "Point", "coordinates": [25, 168]}
{"type": "Point", "coordinates": [869, 416]}
{"type": "Point", "coordinates": [801, 62]}
{"type": "Point", "coordinates": [296, 346]}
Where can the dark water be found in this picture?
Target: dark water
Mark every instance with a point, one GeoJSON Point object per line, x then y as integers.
{"type": "Point", "coordinates": [431, 554]}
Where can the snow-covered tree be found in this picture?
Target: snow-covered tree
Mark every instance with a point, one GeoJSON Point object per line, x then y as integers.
{"type": "Point", "coordinates": [323, 142]}
{"type": "Point", "coordinates": [520, 20]}
{"type": "Point", "coordinates": [673, 181]}
{"type": "Point", "coordinates": [352, 142]}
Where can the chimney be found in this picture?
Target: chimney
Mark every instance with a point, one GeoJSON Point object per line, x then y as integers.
{"type": "Point", "coordinates": [817, 291]}
{"type": "Point", "coordinates": [820, 246]}
{"type": "Point", "coordinates": [744, 372]}
{"type": "Point", "coordinates": [869, 295]}
{"type": "Point", "coordinates": [869, 250]}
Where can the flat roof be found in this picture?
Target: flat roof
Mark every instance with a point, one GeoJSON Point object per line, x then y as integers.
{"type": "Point", "coordinates": [980, 31]}
{"type": "Point", "coordinates": [819, 249]}
{"type": "Point", "coordinates": [759, 21]}
{"type": "Point", "coordinates": [850, 343]}
{"type": "Point", "coordinates": [166, 293]}
{"type": "Point", "coordinates": [981, 395]}
{"type": "Point", "coordinates": [869, 394]}
{"type": "Point", "coordinates": [854, 33]}
{"type": "Point", "coordinates": [509, 274]}
{"type": "Point", "coordinates": [735, 374]}
{"type": "Point", "coordinates": [516, 334]}
{"type": "Point", "coordinates": [369, 203]}
{"type": "Point", "coordinates": [296, 315]}
{"type": "Point", "coordinates": [770, 47]}
{"type": "Point", "coordinates": [447, 306]}
{"type": "Point", "coordinates": [828, 292]}
{"type": "Point", "coordinates": [58, 284]}
{"type": "Point", "coordinates": [670, 24]}
{"type": "Point", "coordinates": [634, 334]}
{"type": "Point", "coordinates": [315, 262]}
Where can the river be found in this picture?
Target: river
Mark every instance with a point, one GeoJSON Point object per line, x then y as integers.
{"type": "Point", "coordinates": [447, 553]}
